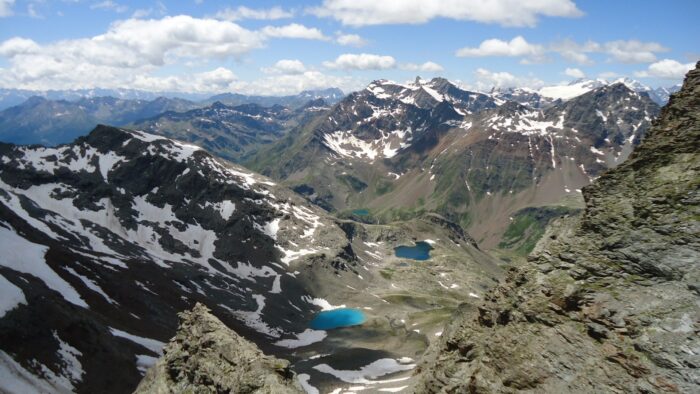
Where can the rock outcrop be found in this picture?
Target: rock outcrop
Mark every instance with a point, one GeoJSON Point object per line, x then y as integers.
{"type": "Point", "coordinates": [207, 357]}
{"type": "Point", "coordinates": [608, 302]}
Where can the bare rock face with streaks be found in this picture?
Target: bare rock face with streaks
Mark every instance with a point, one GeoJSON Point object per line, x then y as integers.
{"type": "Point", "coordinates": [607, 303]}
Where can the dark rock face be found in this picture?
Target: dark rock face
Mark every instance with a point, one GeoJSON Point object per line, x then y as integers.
{"type": "Point", "coordinates": [106, 239]}
{"type": "Point", "coordinates": [611, 304]}
{"type": "Point", "coordinates": [207, 357]}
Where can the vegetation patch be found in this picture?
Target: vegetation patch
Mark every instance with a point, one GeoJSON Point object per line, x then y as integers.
{"type": "Point", "coordinates": [528, 226]}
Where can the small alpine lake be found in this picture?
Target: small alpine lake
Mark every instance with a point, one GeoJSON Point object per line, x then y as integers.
{"type": "Point", "coordinates": [337, 318]}
{"type": "Point", "coordinates": [420, 251]}
{"type": "Point", "coordinates": [360, 212]}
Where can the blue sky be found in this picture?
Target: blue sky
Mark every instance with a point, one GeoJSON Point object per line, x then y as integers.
{"type": "Point", "coordinates": [274, 47]}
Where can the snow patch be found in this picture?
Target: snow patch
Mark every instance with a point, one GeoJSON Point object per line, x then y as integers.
{"type": "Point", "coordinates": [305, 338]}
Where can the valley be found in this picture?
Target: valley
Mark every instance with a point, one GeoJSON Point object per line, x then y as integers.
{"type": "Point", "coordinates": [341, 242]}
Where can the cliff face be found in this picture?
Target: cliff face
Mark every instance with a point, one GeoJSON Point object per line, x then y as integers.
{"type": "Point", "coordinates": [207, 357]}
{"type": "Point", "coordinates": [607, 303]}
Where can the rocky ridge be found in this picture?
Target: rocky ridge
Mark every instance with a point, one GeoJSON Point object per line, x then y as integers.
{"type": "Point", "coordinates": [207, 356]}
{"type": "Point", "coordinates": [607, 303]}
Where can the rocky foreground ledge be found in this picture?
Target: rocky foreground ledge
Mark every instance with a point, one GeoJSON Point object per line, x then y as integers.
{"type": "Point", "coordinates": [205, 356]}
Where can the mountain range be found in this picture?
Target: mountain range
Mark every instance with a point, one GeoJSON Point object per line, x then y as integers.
{"type": "Point", "coordinates": [49, 121]}
{"type": "Point", "coordinates": [401, 150]}
{"type": "Point", "coordinates": [231, 132]}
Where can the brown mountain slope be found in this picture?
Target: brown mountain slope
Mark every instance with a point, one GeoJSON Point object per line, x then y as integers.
{"type": "Point", "coordinates": [607, 304]}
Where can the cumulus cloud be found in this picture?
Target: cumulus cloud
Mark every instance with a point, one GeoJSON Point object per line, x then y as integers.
{"type": "Point", "coordinates": [216, 80]}
{"type": "Point", "coordinates": [286, 67]}
{"type": "Point", "coordinates": [350, 40]}
{"type": "Point", "coordinates": [574, 73]}
{"type": "Point", "coordinates": [485, 80]}
{"type": "Point", "coordinates": [633, 51]}
{"type": "Point", "coordinates": [18, 46]}
{"type": "Point", "coordinates": [362, 61]}
{"type": "Point", "coordinates": [426, 67]}
{"type": "Point", "coordinates": [624, 51]}
{"type": "Point", "coordinates": [517, 47]}
{"type": "Point", "coordinates": [292, 84]}
{"type": "Point", "coordinates": [294, 30]}
{"type": "Point", "coordinates": [6, 8]}
{"type": "Point", "coordinates": [667, 69]}
{"type": "Point", "coordinates": [242, 12]}
{"type": "Point", "coordinates": [133, 47]}
{"type": "Point", "coordinates": [503, 12]}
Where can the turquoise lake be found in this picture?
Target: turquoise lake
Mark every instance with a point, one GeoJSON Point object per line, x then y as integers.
{"type": "Point", "coordinates": [360, 212]}
{"type": "Point", "coordinates": [343, 317]}
{"type": "Point", "coordinates": [421, 251]}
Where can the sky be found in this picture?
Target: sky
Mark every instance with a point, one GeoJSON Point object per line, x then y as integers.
{"type": "Point", "coordinates": [283, 47]}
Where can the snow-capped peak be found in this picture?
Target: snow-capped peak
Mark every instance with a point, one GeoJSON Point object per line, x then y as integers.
{"type": "Point", "coordinates": [572, 89]}
{"type": "Point", "coordinates": [633, 84]}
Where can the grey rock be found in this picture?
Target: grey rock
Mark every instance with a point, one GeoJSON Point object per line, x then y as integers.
{"type": "Point", "coordinates": [207, 357]}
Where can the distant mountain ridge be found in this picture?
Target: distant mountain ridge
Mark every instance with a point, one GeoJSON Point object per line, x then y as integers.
{"type": "Point", "coordinates": [39, 120]}
{"type": "Point", "coordinates": [230, 132]}
{"type": "Point", "coordinates": [330, 95]}
{"type": "Point", "coordinates": [51, 122]}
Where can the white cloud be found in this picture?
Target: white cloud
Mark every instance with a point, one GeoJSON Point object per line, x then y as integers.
{"type": "Point", "coordinates": [486, 80]}
{"type": "Point", "coordinates": [633, 51]}
{"type": "Point", "coordinates": [294, 30]}
{"type": "Point", "coordinates": [291, 84]}
{"type": "Point", "coordinates": [574, 73]}
{"type": "Point", "coordinates": [363, 61]}
{"type": "Point", "coordinates": [624, 51]}
{"type": "Point", "coordinates": [109, 5]}
{"type": "Point", "coordinates": [427, 67]}
{"type": "Point", "coordinates": [575, 52]}
{"type": "Point", "coordinates": [608, 75]}
{"type": "Point", "coordinates": [503, 12]}
{"type": "Point", "coordinates": [18, 46]}
{"type": "Point", "coordinates": [350, 40]}
{"type": "Point", "coordinates": [517, 47]}
{"type": "Point", "coordinates": [131, 48]}
{"type": "Point", "coordinates": [286, 67]}
{"type": "Point", "coordinates": [242, 12]}
{"type": "Point", "coordinates": [160, 9]}
{"type": "Point", "coordinates": [6, 8]}
{"type": "Point", "coordinates": [667, 69]}
{"type": "Point", "coordinates": [32, 12]}
{"type": "Point", "coordinates": [216, 80]}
